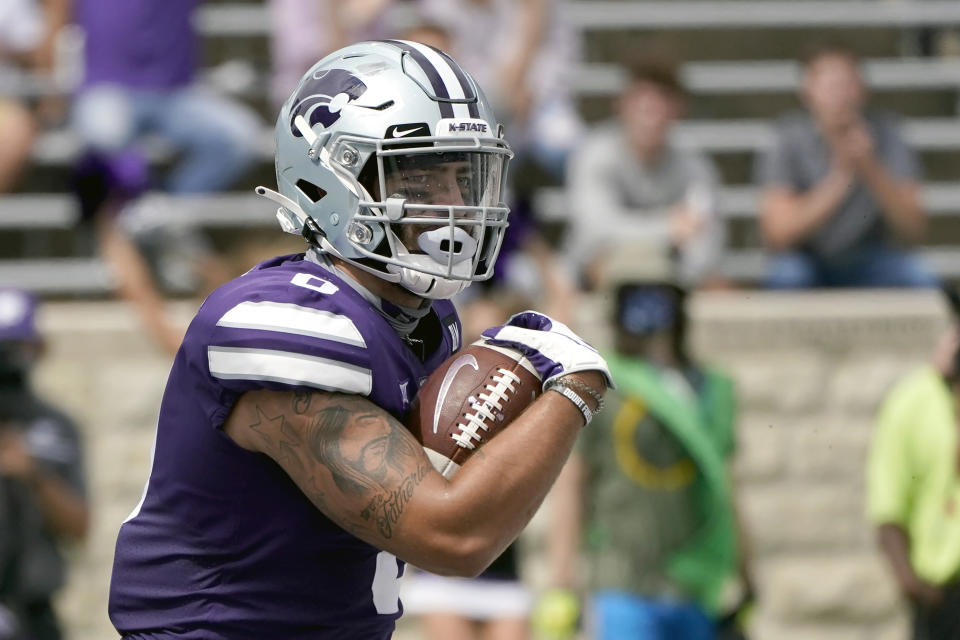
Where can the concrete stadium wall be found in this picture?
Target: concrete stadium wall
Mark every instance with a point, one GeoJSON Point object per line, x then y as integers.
{"type": "Point", "coordinates": [810, 369]}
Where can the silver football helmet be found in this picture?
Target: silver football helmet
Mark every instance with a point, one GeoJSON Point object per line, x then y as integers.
{"type": "Point", "coordinates": [389, 157]}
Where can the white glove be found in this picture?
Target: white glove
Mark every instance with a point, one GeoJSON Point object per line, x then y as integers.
{"type": "Point", "coordinates": [552, 348]}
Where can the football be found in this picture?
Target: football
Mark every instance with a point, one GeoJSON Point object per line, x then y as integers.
{"type": "Point", "coordinates": [469, 398]}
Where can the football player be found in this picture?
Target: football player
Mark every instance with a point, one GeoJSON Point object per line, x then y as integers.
{"type": "Point", "coordinates": [285, 492]}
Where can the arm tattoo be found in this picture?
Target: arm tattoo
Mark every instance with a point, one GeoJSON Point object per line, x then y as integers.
{"type": "Point", "coordinates": [301, 402]}
{"type": "Point", "coordinates": [287, 441]}
{"type": "Point", "coordinates": [370, 456]}
{"type": "Point", "coordinates": [386, 508]}
{"type": "Point", "coordinates": [376, 464]}
{"type": "Point", "coordinates": [369, 465]}
{"type": "Point", "coordinates": [263, 424]}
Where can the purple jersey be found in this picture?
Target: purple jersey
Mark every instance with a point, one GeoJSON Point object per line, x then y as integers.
{"type": "Point", "coordinates": [223, 544]}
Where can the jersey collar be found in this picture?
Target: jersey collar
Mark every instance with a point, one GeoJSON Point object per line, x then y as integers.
{"type": "Point", "coordinates": [403, 319]}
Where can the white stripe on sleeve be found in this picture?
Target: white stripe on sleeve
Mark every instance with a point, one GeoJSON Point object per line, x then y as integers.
{"type": "Point", "coordinates": [291, 318]}
{"type": "Point", "coordinates": [235, 363]}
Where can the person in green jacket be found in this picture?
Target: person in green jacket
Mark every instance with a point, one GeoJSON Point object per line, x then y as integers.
{"type": "Point", "coordinates": [649, 490]}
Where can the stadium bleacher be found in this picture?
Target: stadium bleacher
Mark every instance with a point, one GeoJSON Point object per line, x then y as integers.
{"type": "Point", "coordinates": [736, 93]}
{"type": "Point", "coordinates": [233, 19]}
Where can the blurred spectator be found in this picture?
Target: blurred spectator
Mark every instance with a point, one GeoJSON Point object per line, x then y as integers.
{"type": "Point", "coordinates": [650, 486]}
{"type": "Point", "coordinates": [496, 604]}
{"type": "Point", "coordinates": [27, 32]}
{"type": "Point", "coordinates": [523, 53]}
{"type": "Point", "coordinates": [42, 495]}
{"type": "Point", "coordinates": [629, 183]}
{"type": "Point", "coordinates": [913, 490]}
{"type": "Point", "coordinates": [140, 70]}
{"type": "Point", "coordinates": [304, 31]}
{"type": "Point", "coordinates": [841, 189]}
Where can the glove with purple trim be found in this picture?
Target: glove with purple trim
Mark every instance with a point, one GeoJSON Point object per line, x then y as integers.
{"type": "Point", "coordinates": [552, 348]}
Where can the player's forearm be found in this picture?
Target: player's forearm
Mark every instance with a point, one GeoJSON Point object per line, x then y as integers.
{"type": "Point", "coordinates": [497, 492]}
{"type": "Point", "coordinates": [367, 473]}
{"type": "Point", "coordinates": [352, 460]}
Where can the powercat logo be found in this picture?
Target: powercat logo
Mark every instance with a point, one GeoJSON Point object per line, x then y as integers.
{"type": "Point", "coordinates": [320, 98]}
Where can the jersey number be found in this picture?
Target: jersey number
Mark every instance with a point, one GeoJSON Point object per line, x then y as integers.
{"type": "Point", "coordinates": [312, 282]}
{"type": "Point", "coordinates": [386, 584]}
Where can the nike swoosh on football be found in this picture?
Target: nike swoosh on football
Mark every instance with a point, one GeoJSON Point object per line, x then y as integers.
{"type": "Point", "coordinates": [397, 133]}
{"type": "Point", "coordinates": [461, 362]}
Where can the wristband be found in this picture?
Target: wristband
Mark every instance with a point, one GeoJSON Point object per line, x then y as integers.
{"type": "Point", "coordinates": [574, 397]}
{"type": "Point", "coordinates": [593, 393]}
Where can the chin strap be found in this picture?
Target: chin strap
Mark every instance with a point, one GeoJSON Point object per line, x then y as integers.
{"type": "Point", "coordinates": [293, 220]}
{"type": "Point", "coordinates": [290, 215]}
{"type": "Point", "coordinates": [428, 286]}
{"type": "Point", "coordinates": [444, 289]}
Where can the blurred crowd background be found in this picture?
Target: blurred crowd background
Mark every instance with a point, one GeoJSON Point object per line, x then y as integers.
{"type": "Point", "coordinates": [752, 205]}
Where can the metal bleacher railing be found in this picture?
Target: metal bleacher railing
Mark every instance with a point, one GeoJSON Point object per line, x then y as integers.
{"type": "Point", "coordinates": [740, 202]}
{"type": "Point", "coordinates": [250, 20]}
{"type": "Point", "coordinates": [776, 76]}
{"type": "Point", "coordinates": [224, 20]}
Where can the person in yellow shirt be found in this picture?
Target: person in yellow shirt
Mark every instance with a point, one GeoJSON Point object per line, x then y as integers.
{"type": "Point", "coordinates": [913, 490]}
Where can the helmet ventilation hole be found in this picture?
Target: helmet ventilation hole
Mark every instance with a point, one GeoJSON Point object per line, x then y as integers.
{"type": "Point", "coordinates": [312, 191]}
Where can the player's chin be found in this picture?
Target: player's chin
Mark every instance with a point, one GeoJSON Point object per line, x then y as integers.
{"type": "Point", "coordinates": [409, 298]}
